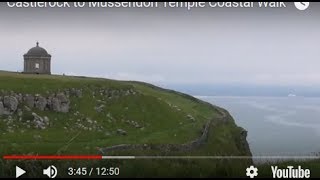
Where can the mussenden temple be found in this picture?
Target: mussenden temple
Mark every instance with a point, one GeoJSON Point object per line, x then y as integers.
{"type": "Point", "coordinates": [37, 61]}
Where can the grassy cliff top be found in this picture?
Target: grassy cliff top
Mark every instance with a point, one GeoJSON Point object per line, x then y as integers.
{"type": "Point", "coordinates": [147, 115]}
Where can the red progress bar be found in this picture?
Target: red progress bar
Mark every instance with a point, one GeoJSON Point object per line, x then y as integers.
{"type": "Point", "coordinates": [54, 157]}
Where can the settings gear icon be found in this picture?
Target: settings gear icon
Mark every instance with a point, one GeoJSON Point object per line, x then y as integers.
{"type": "Point", "coordinates": [252, 172]}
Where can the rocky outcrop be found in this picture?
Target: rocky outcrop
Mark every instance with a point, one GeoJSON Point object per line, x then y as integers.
{"type": "Point", "coordinates": [29, 100]}
{"type": "Point", "coordinates": [59, 102]}
{"type": "Point", "coordinates": [40, 122]}
{"type": "Point", "coordinates": [1, 108]}
{"type": "Point", "coordinates": [10, 103]}
{"type": "Point", "coordinates": [40, 102]}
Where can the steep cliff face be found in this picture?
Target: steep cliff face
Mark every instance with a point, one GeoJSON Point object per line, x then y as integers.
{"type": "Point", "coordinates": [243, 143]}
{"type": "Point", "coordinates": [241, 138]}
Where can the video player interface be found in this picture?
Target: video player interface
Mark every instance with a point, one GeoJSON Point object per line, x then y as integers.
{"type": "Point", "coordinates": [159, 89]}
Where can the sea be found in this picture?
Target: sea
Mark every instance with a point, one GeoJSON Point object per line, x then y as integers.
{"type": "Point", "coordinates": [277, 126]}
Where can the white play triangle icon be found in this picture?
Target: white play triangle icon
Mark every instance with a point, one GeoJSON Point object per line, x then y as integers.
{"type": "Point", "coordinates": [19, 172]}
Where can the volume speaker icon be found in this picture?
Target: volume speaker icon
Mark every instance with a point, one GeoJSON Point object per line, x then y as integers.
{"type": "Point", "coordinates": [51, 172]}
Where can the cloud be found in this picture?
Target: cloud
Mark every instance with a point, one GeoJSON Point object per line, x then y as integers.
{"type": "Point", "coordinates": [170, 48]}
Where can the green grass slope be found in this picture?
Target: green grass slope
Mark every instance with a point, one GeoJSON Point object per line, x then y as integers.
{"type": "Point", "coordinates": [163, 117]}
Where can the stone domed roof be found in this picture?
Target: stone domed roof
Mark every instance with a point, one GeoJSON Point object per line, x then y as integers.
{"type": "Point", "coordinates": [37, 51]}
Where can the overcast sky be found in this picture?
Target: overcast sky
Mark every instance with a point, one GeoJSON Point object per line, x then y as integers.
{"type": "Point", "coordinates": [172, 46]}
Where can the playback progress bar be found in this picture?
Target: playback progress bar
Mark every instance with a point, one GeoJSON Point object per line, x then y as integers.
{"type": "Point", "coordinates": [100, 157]}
